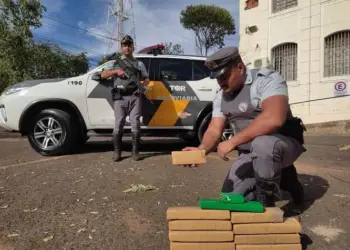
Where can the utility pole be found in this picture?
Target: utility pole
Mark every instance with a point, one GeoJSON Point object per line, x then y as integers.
{"type": "Point", "coordinates": [120, 22]}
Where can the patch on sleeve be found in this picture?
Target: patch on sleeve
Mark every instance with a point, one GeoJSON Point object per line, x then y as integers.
{"type": "Point", "coordinates": [265, 71]}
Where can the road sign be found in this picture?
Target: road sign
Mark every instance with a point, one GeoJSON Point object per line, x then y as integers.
{"type": "Point", "coordinates": [340, 89]}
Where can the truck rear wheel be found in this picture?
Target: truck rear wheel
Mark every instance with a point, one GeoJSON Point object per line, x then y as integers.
{"type": "Point", "coordinates": [227, 133]}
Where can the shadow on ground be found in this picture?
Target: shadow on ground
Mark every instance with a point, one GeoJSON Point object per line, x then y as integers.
{"type": "Point", "coordinates": [315, 187]}
{"type": "Point", "coordinates": [148, 148]}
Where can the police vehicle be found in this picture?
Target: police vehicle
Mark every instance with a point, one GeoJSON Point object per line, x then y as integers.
{"type": "Point", "coordinates": [59, 115]}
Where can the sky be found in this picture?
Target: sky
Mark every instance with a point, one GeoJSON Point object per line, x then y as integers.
{"type": "Point", "coordinates": [81, 25]}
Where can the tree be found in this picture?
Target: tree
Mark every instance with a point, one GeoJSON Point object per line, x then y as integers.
{"type": "Point", "coordinates": [175, 49]}
{"type": "Point", "coordinates": [51, 61]}
{"type": "Point", "coordinates": [17, 18]}
{"type": "Point", "coordinates": [23, 59]}
{"type": "Point", "coordinates": [105, 58]}
{"type": "Point", "coordinates": [210, 24]}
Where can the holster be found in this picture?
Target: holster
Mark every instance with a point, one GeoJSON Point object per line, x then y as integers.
{"type": "Point", "coordinates": [294, 128]}
{"type": "Point", "coordinates": [117, 93]}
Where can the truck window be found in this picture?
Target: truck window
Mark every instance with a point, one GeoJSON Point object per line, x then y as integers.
{"type": "Point", "coordinates": [145, 61]}
{"type": "Point", "coordinates": [199, 70]}
{"type": "Point", "coordinates": [175, 69]}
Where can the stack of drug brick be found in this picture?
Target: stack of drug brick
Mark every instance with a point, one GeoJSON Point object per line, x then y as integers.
{"type": "Point", "coordinates": [193, 228]}
{"type": "Point", "coordinates": [268, 230]}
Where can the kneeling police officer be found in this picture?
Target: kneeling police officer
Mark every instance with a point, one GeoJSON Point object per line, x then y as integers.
{"type": "Point", "coordinates": [127, 97]}
{"type": "Point", "coordinates": [268, 137]}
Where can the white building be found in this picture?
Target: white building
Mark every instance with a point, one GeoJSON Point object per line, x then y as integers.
{"type": "Point", "coordinates": [308, 42]}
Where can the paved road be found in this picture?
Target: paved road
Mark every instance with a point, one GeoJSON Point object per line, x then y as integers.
{"type": "Point", "coordinates": [77, 201]}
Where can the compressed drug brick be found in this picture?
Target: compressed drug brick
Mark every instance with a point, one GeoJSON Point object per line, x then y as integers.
{"type": "Point", "coordinates": [202, 246]}
{"type": "Point", "coordinates": [195, 213]}
{"type": "Point", "coordinates": [267, 239]}
{"type": "Point", "coordinates": [188, 157]}
{"type": "Point", "coordinates": [270, 247]}
{"type": "Point", "coordinates": [201, 236]}
{"type": "Point", "coordinates": [271, 214]}
{"type": "Point", "coordinates": [193, 225]}
{"type": "Point", "coordinates": [289, 226]}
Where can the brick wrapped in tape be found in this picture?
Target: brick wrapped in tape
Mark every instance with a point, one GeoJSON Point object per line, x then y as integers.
{"type": "Point", "coordinates": [289, 226]}
{"type": "Point", "coordinates": [271, 214]}
{"type": "Point", "coordinates": [205, 225]}
{"type": "Point", "coordinates": [267, 239]}
{"type": "Point", "coordinates": [196, 213]}
{"type": "Point", "coordinates": [270, 247]}
{"type": "Point", "coordinates": [188, 157]}
{"type": "Point", "coordinates": [202, 246]}
{"type": "Point", "coordinates": [201, 236]}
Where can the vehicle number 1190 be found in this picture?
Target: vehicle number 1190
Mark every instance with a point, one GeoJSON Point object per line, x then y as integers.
{"type": "Point", "coordinates": [75, 83]}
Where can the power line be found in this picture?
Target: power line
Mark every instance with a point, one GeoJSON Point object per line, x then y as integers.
{"type": "Point", "coordinates": [73, 45]}
{"type": "Point", "coordinates": [78, 28]}
{"type": "Point", "coordinates": [85, 30]}
{"type": "Point", "coordinates": [45, 24]}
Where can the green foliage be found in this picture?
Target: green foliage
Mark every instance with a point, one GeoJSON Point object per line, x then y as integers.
{"type": "Point", "coordinates": [51, 61]}
{"type": "Point", "coordinates": [173, 49]}
{"type": "Point", "coordinates": [22, 59]}
{"type": "Point", "coordinates": [210, 24]}
{"type": "Point", "coordinates": [105, 58]}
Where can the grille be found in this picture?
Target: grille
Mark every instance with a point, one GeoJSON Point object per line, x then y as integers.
{"type": "Point", "coordinates": [337, 54]}
{"type": "Point", "coordinates": [285, 60]}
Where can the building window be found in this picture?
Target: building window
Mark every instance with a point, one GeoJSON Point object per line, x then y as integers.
{"type": "Point", "coordinates": [279, 5]}
{"type": "Point", "coordinates": [249, 4]}
{"type": "Point", "coordinates": [337, 54]}
{"type": "Point", "coordinates": [285, 60]}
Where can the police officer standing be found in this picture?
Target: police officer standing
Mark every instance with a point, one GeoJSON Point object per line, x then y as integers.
{"type": "Point", "coordinates": [268, 137]}
{"type": "Point", "coordinates": [127, 98]}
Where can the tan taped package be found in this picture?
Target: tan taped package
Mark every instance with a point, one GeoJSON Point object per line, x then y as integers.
{"type": "Point", "coordinates": [289, 226]}
{"type": "Point", "coordinates": [267, 239]}
{"type": "Point", "coordinates": [270, 247]}
{"type": "Point", "coordinates": [196, 213]}
{"type": "Point", "coordinates": [188, 157]}
{"type": "Point", "coordinates": [193, 225]}
{"type": "Point", "coordinates": [201, 236]}
{"type": "Point", "coordinates": [271, 214]}
{"type": "Point", "coordinates": [202, 246]}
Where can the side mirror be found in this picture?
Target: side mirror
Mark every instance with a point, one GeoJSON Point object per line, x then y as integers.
{"type": "Point", "coordinates": [96, 76]}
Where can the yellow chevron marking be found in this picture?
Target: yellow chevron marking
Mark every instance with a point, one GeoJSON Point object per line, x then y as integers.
{"type": "Point", "coordinates": [167, 113]}
{"type": "Point", "coordinates": [157, 89]}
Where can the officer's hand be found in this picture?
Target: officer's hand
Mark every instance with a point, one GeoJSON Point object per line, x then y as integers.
{"type": "Point", "coordinates": [224, 148]}
{"type": "Point", "coordinates": [191, 149]}
{"type": "Point", "coordinates": [120, 72]}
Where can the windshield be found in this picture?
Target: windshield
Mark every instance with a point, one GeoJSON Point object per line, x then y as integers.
{"type": "Point", "coordinates": [100, 67]}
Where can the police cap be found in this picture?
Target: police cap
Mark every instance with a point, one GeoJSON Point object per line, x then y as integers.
{"type": "Point", "coordinates": [127, 40]}
{"type": "Point", "coordinates": [219, 62]}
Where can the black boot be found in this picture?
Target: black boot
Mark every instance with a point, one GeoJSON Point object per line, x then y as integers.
{"type": "Point", "coordinates": [117, 143]}
{"type": "Point", "coordinates": [135, 146]}
{"type": "Point", "coordinates": [291, 184]}
{"type": "Point", "coordinates": [267, 190]}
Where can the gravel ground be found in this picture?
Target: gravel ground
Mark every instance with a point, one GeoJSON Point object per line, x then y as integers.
{"type": "Point", "coordinates": [79, 201]}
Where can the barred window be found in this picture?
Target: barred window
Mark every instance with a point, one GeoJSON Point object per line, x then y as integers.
{"type": "Point", "coordinates": [337, 54]}
{"type": "Point", "coordinates": [285, 60]}
{"type": "Point", "coordinates": [279, 5]}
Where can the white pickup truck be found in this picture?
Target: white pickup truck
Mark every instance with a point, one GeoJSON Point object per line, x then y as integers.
{"type": "Point", "coordinates": [57, 115]}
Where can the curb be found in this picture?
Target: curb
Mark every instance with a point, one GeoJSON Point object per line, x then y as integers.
{"type": "Point", "coordinates": [9, 134]}
{"type": "Point", "coordinates": [339, 128]}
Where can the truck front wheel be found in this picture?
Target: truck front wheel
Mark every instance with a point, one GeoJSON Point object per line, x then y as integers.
{"type": "Point", "coordinates": [53, 132]}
